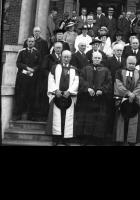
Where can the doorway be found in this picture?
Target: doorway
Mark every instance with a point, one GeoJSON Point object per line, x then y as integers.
{"type": "Point", "coordinates": [91, 5]}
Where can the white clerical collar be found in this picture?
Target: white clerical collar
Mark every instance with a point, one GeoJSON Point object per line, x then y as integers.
{"type": "Point", "coordinates": [129, 73]}
{"type": "Point", "coordinates": [65, 65]}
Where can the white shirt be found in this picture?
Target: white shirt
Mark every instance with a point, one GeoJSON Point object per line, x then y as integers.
{"type": "Point", "coordinates": [84, 18]}
{"type": "Point", "coordinates": [118, 59]}
{"type": "Point", "coordinates": [87, 40]}
{"type": "Point", "coordinates": [90, 25]}
{"type": "Point", "coordinates": [135, 51]}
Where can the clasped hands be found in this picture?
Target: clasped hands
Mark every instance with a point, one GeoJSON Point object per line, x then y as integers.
{"type": "Point", "coordinates": [92, 92]}
{"type": "Point", "coordinates": [30, 70]}
{"type": "Point", "coordinates": [131, 97]}
{"type": "Point", "coordinates": [59, 94]}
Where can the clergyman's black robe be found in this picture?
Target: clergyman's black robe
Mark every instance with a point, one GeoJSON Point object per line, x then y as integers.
{"type": "Point", "coordinates": [92, 112]}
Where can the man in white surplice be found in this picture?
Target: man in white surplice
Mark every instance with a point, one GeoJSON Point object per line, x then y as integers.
{"type": "Point", "coordinates": [63, 83]}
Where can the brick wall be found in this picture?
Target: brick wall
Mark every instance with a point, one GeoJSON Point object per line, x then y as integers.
{"type": "Point", "coordinates": [11, 27]}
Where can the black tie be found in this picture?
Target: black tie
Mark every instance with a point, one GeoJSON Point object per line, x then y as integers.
{"type": "Point", "coordinates": [135, 52]}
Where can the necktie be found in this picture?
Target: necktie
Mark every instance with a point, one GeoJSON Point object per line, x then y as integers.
{"type": "Point", "coordinates": [135, 52]}
{"type": "Point", "coordinates": [119, 60]}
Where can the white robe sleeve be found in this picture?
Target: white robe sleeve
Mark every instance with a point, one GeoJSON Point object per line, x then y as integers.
{"type": "Point", "coordinates": [73, 89]}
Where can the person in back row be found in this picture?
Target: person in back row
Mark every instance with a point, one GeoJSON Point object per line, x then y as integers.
{"type": "Point", "coordinates": [84, 37]}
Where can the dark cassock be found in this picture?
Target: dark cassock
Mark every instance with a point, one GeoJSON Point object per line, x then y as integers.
{"type": "Point", "coordinates": [42, 100]}
{"type": "Point", "coordinates": [79, 60]}
{"type": "Point", "coordinates": [41, 45]}
{"type": "Point", "coordinates": [89, 56]}
{"type": "Point", "coordinates": [92, 118]}
{"type": "Point", "coordinates": [126, 127]}
{"type": "Point", "coordinates": [129, 51]}
{"type": "Point", "coordinates": [62, 110]}
{"type": "Point", "coordinates": [26, 83]}
{"type": "Point", "coordinates": [114, 64]}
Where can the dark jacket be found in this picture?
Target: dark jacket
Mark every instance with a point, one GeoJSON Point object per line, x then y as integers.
{"type": "Point", "coordinates": [89, 57]}
{"type": "Point", "coordinates": [102, 21]}
{"type": "Point", "coordinates": [128, 51]}
{"type": "Point", "coordinates": [112, 27]}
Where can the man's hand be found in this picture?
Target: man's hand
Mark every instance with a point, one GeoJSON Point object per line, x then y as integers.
{"type": "Point", "coordinates": [58, 93]}
{"type": "Point", "coordinates": [131, 97]}
{"type": "Point", "coordinates": [91, 92]}
{"type": "Point", "coordinates": [99, 93]}
{"type": "Point", "coordinates": [66, 94]}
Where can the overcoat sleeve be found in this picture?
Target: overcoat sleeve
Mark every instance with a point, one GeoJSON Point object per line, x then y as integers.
{"type": "Point", "coordinates": [20, 65]}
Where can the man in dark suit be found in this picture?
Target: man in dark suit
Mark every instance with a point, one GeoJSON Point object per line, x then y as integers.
{"type": "Point", "coordinates": [112, 24]}
{"type": "Point", "coordinates": [95, 47]}
{"type": "Point", "coordinates": [42, 98]}
{"type": "Point", "coordinates": [100, 18]}
{"type": "Point", "coordinates": [124, 27]}
{"type": "Point", "coordinates": [79, 59]}
{"type": "Point", "coordinates": [133, 49]}
{"type": "Point", "coordinates": [117, 61]}
{"type": "Point", "coordinates": [82, 20]}
{"type": "Point", "coordinates": [40, 44]}
{"type": "Point", "coordinates": [92, 28]}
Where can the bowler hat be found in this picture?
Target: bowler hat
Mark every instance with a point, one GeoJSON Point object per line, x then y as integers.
{"type": "Point", "coordinates": [119, 33]}
{"type": "Point", "coordinates": [96, 40]}
{"type": "Point", "coordinates": [63, 103]}
{"type": "Point", "coordinates": [129, 110]}
{"type": "Point", "coordinates": [70, 24]}
{"type": "Point", "coordinates": [59, 31]}
{"type": "Point", "coordinates": [110, 9]}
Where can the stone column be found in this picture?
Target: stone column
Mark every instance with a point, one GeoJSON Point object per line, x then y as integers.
{"type": "Point", "coordinates": [25, 20]}
{"type": "Point", "coordinates": [41, 16]}
{"type": "Point", "coordinates": [68, 7]}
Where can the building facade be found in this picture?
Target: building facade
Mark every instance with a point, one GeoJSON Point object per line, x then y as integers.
{"type": "Point", "coordinates": [20, 16]}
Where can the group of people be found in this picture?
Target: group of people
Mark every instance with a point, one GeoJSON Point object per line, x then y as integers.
{"type": "Point", "coordinates": [83, 82]}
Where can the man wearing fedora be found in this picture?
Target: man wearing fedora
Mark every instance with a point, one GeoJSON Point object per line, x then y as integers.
{"type": "Point", "coordinates": [96, 48]}
{"type": "Point", "coordinates": [63, 86]}
{"type": "Point", "coordinates": [112, 24]}
{"type": "Point", "coordinates": [84, 37]}
{"type": "Point", "coordinates": [127, 93]}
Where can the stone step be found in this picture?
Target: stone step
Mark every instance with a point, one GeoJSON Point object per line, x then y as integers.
{"type": "Point", "coordinates": [28, 125]}
{"type": "Point", "coordinates": [29, 135]}
{"type": "Point", "coordinates": [9, 142]}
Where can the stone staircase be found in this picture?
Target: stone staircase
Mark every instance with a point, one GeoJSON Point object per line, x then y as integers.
{"type": "Point", "coordinates": [27, 133]}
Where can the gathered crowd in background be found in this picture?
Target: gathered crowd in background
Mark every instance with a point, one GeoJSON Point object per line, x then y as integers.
{"type": "Point", "coordinates": [84, 80]}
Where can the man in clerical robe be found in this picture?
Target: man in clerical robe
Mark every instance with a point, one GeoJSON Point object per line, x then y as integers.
{"type": "Point", "coordinates": [63, 83]}
{"type": "Point", "coordinates": [127, 88]}
{"type": "Point", "coordinates": [93, 103]}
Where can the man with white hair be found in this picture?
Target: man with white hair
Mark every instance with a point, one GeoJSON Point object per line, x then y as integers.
{"type": "Point", "coordinates": [63, 83]}
{"type": "Point", "coordinates": [40, 43]}
{"type": "Point", "coordinates": [79, 59]}
{"type": "Point", "coordinates": [92, 108]}
{"type": "Point", "coordinates": [117, 61]}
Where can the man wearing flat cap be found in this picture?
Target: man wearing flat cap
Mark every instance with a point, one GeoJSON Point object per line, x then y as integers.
{"type": "Point", "coordinates": [63, 83]}
{"type": "Point", "coordinates": [127, 88]}
{"type": "Point", "coordinates": [112, 24]}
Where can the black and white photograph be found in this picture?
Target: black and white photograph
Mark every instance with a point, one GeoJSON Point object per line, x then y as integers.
{"type": "Point", "coordinates": [70, 73]}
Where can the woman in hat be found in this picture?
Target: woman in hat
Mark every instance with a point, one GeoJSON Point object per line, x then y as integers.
{"type": "Point", "coordinates": [70, 36]}
{"type": "Point", "coordinates": [106, 42]}
{"type": "Point", "coordinates": [94, 99]}
{"type": "Point", "coordinates": [119, 40]}
{"type": "Point", "coordinates": [127, 88]}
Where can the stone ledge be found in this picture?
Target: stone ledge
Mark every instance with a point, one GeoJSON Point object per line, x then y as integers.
{"type": "Point", "coordinates": [12, 48]}
{"type": "Point", "coordinates": [7, 90]}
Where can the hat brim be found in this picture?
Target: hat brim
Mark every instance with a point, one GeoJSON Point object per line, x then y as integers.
{"type": "Point", "coordinates": [96, 42]}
